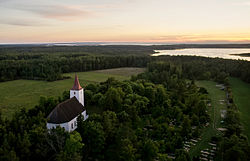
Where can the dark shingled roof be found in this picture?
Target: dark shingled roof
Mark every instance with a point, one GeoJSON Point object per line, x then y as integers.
{"type": "Point", "coordinates": [65, 111]}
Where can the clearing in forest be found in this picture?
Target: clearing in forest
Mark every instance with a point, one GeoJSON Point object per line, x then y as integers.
{"type": "Point", "coordinates": [217, 104]}
{"type": "Point", "coordinates": [241, 97]}
{"type": "Point", "coordinates": [17, 94]}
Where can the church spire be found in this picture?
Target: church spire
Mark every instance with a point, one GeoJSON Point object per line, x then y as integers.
{"type": "Point", "coordinates": [77, 85]}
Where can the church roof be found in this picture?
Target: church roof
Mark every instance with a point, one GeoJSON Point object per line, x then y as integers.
{"type": "Point", "coordinates": [76, 85]}
{"type": "Point", "coordinates": [65, 111]}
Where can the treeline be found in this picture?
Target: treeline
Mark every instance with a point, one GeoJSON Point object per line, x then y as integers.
{"type": "Point", "coordinates": [51, 69]}
{"type": "Point", "coordinates": [201, 68]}
{"type": "Point", "coordinates": [49, 63]}
{"type": "Point", "coordinates": [76, 50]}
{"type": "Point", "coordinates": [134, 120]}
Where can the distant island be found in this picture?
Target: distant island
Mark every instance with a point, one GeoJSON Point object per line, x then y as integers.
{"type": "Point", "coordinates": [242, 55]}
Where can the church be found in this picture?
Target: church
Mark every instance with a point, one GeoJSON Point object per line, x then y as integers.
{"type": "Point", "coordinates": [65, 114]}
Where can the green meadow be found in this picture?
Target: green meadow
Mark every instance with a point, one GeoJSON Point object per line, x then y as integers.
{"type": "Point", "coordinates": [215, 94]}
{"type": "Point", "coordinates": [17, 94]}
{"type": "Point", "coordinates": [241, 96]}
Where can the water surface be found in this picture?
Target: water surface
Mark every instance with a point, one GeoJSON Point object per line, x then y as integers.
{"type": "Point", "coordinates": [224, 53]}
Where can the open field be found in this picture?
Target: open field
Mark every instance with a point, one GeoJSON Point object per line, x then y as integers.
{"type": "Point", "coordinates": [122, 71]}
{"type": "Point", "coordinates": [215, 94]}
{"type": "Point", "coordinates": [26, 93]}
{"type": "Point", "coordinates": [241, 96]}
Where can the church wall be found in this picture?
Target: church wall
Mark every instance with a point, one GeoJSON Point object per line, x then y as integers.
{"type": "Point", "coordinates": [63, 125]}
{"type": "Point", "coordinates": [72, 124]}
{"type": "Point", "coordinates": [68, 126]}
{"type": "Point", "coordinates": [85, 116]}
{"type": "Point", "coordinates": [79, 94]}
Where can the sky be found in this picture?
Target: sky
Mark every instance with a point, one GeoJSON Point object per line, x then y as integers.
{"type": "Point", "coordinates": [167, 21]}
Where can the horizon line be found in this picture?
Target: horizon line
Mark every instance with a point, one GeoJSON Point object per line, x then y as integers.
{"type": "Point", "coordinates": [128, 42]}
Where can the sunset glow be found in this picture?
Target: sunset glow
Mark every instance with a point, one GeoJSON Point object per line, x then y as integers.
{"type": "Point", "coordinates": [181, 21]}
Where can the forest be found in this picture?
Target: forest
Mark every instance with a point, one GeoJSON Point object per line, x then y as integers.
{"type": "Point", "coordinates": [48, 63]}
{"type": "Point", "coordinates": [146, 118]}
{"type": "Point", "coordinates": [139, 120]}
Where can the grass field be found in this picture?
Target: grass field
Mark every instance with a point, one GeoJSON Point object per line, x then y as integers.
{"type": "Point", "coordinates": [215, 94]}
{"type": "Point", "coordinates": [241, 95]}
{"type": "Point", "coordinates": [26, 93]}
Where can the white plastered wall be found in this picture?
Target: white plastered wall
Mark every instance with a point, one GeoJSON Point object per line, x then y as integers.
{"type": "Point", "coordinates": [68, 125]}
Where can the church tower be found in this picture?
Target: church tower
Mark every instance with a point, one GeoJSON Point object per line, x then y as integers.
{"type": "Point", "coordinates": [77, 91]}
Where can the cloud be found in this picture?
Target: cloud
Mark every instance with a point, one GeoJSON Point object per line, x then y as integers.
{"type": "Point", "coordinates": [19, 22]}
{"type": "Point", "coordinates": [64, 11]}
{"type": "Point", "coordinates": [59, 12]}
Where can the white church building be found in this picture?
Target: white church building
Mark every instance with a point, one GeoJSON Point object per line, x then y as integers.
{"type": "Point", "coordinates": [65, 114]}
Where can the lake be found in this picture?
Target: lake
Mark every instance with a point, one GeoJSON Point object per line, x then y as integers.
{"type": "Point", "coordinates": [207, 52]}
